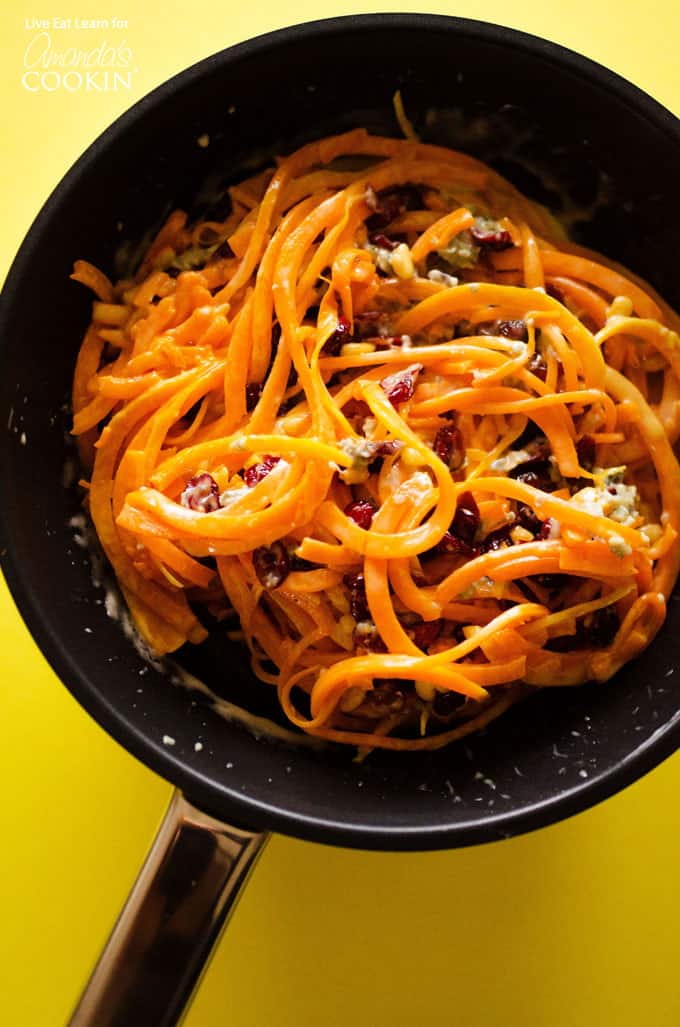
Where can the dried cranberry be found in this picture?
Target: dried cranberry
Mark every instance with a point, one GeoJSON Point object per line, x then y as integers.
{"type": "Point", "coordinates": [426, 633]}
{"type": "Point", "coordinates": [202, 494]}
{"type": "Point", "coordinates": [534, 472]}
{"type": "Point", "coordinates": [448, 445]}
{"type": "Point", "coordinates": [448, 544]}
{"type": "Point", "coordinates": [380, 451]}
{"type": "Point", "coordinates": [496, 240]}
{"type": "Point", "coordinates": [495, 539]}
{"type": "Point", "coordinates": [390, 203]}
{"type": "Point", "coordinates": [538, 366]}
{"type": "Point", "coordinates": [585, 449]}
{"type": "Point", "coordinates": [383, 241]}
{"type": "Point", "coordinates": [254, 474]}
{"type": "Point", "coordinates": [366, 636]}
{"type": "Point", "coordinates": [596, 631]}
{"type": "Point", "coordinates": [388, 448]}
{"type": "Point", "coordinates": [467, 519]}
{"type": "Point", "coordinates": [401, 391]}
{"type": "Point", "coordinates": [341, 335]}
{"type": "Point", "coordinates": [298, 563]}
{"type": "Point", "coordinates": [356, 410]}
{"type": "Point", "coordinates": [445, 704]}
{"type": "Point", "coordinates": [272, 564]}
{"type": "Point", "coordinates": [371, 323]}
{"type": "Point", "coordinates": [358, 604]}
{"type": "Point", "coordinates": [253, 393]}
{"type": "Point", "coordinates": [546, 529]}
{"type": "Point", "coordinates": [361, 512]}
{"type": "Point", "coordinates": [399, 388]}
{"type": "Point", "coordinates": [601, 627]}
{"type": "Point", "coordinates": [531, 479]}
{"type": "Point", "coordinates": [513, 329]}
{"type": "Point", "coordinates": [531, 434]}
{"type": "Point", "coordinates": [527, 519]}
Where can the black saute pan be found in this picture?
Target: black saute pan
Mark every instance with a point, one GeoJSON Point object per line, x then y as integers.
{"type": "Point", "coordinates": [558, 126]}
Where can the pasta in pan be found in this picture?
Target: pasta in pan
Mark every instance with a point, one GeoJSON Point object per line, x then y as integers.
{"type": "Point", "coordinates": [386, 414]}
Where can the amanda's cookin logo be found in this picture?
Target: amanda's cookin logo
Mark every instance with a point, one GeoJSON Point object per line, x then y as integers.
{"type": "Point", "coordinates": [104, 67]}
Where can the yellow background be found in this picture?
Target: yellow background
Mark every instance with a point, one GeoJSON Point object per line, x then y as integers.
{"type": "Point", "coordinates": [573, 926]}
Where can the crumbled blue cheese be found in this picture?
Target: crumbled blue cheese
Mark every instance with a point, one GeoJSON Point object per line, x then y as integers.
{"type": "Point", "coordinates": [232, 495]}
{"type": "Point", "coordinates": [617, 501]}
{"type": "Point", "coordinates": [441, 278]}
{"type": "Point", "coordinates": [368, 427]}
{"type": "Point", "coordinates": [418, 485]}
{"type": "Point", "coordinates": [382, 257]}
{"type": "Point", "coordinates": [619, 547]}
{"type": "Point", "coordinates": [357, 449]}
{"type": "Point", "coordinates": [393, 262]}
{"type": "Point", "coordinates": [361, 452]}
{"type": "Point", "coordinates": [652, 533]}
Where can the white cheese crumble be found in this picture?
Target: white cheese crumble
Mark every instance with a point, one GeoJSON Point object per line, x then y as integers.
{"type": "Point", "coordinates": [441, 278]}
{"type": "Point", "coordinates": [617, 501]}
{"type": "Point", "coordinates": [413, 488]}
{"type": "Point", "coordinates": [168, 740]}
{"type": "Point", "coordinates": [232, 495]}
{"type": "Point", "coordinates": [382, 257]}
{"type": "Point", "coordinates": [619, 546]}
{"type": "Point", "coordinates": [357, 449]}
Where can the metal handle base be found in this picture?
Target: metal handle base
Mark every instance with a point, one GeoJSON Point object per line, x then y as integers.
{"type": "Point", "coordinates": [171, 921]}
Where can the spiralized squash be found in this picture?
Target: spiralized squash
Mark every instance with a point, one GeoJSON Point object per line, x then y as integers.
{"type": "Point", "coordinates": [419, 443]}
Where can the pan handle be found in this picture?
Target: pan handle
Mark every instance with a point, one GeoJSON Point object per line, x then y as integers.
{"type": "Point", "coordinates": [162, 940]}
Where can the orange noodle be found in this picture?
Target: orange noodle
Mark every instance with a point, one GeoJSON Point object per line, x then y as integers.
{"type": "Point", "coordinates": [420, 444]}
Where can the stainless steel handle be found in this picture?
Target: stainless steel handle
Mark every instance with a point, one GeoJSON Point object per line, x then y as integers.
{"type": "Point", "coordinates": [171, 921]}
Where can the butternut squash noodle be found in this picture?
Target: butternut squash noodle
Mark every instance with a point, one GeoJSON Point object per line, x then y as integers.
{"type": "Point", "coordinates": [390, 418]}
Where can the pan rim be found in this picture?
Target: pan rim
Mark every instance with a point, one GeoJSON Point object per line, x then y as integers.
{"type": "Point", "coordinates": [200, 787]}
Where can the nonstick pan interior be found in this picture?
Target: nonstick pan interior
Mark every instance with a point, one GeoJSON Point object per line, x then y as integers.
{"type": "Point", "coordinates": [558, 126]}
